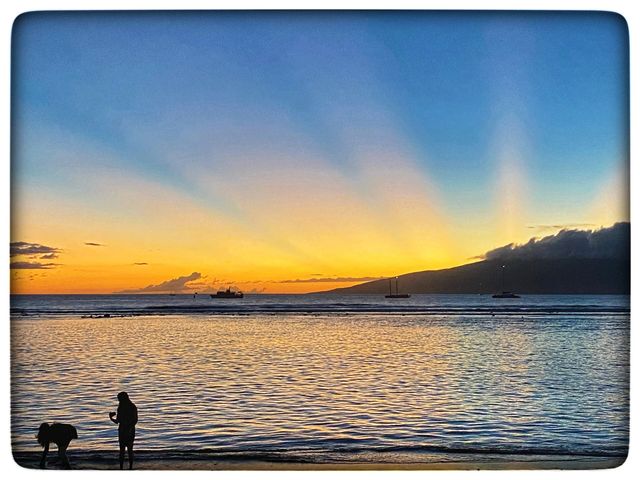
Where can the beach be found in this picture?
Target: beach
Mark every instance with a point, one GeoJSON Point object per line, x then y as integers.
{"type": "Point", "coordinates": [185, 461]}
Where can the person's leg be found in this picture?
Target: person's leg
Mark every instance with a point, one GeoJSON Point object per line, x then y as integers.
{"type": "Point", "coordinates": [130, 453]}
{"type": "Point", "coordinates": [122, 456]}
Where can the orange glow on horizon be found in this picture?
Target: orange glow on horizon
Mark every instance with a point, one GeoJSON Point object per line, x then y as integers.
{"type": "Point", "coordinates": [293, 225]}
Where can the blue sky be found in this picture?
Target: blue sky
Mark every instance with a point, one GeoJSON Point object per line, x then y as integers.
{"type": "Point", "coordinates": [500, 114]}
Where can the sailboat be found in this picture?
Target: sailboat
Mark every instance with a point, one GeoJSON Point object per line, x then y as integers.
{"type": "Point", "coordinates": [505, 293]}
{"type": "Point", "coordinates": [396, 295]}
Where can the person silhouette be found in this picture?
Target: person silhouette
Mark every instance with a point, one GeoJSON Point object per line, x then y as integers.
{"type": "Point", "coordinates": [126, 418]}
{"type": "Point", "coordinates": [59, 433]}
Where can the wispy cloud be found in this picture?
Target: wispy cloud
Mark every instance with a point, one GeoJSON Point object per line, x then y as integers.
{"type": "Point", "coordinates": [140, 263]}
{"type": "Point", "coordinates": [331, 280]}
{"type": "Point", "coordinates": [49, 256]}
{"type": "Point", "coordinates": [564, 226]}
{"type": "Point", "coordinates": [26, 248]}
{"type": "Point", "coordinates": [178, 284]}
{"type": "Point", "coordinates": [31, 265]}
{"type": "Point", "coordinates": [93, 244]}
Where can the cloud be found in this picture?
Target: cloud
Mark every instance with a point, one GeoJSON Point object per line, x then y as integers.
{"type": "Point", "coordinates": [611, 242]}
{"type": "Point", "coordinates": [93, 244]}
{"type": "Point", "coordinates": [561, 226]}
{"type": "Point", "coordinates": [140, 263]}
{"type": "Point", "coordinates": [331, 280]}
{"type": "Point", "coordinates": [31, 265]}
{"type": "Point", "coordinates": [26, 248]}
{"type": "Point", "coordinates": [174, 285]}
{"type": "Point", "coordinates": [49, 256]}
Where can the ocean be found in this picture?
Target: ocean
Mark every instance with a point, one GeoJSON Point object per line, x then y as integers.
{"type": "Point", "coordinates": [328, 378]}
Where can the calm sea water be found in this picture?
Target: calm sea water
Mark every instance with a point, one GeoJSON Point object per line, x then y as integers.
{"type": "Point", "coordinates": [328, 377]}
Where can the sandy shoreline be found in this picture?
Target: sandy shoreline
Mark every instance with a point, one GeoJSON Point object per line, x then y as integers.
{"type": "Point", "coordinates": [156, 461]}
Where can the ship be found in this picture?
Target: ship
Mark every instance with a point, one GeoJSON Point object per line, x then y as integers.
{"type": "Point", "coordinates": [505, 293]}
{"type": "Point", "coordinates": [226, 294]}
{"type": "Point", "coordinates": [396, 295]}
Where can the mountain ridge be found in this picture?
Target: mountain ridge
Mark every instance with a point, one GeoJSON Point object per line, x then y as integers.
{"type": "Point", "coordinates": [539, 276]}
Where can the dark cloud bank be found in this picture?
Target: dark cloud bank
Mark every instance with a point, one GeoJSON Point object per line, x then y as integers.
{"type": "Point", "coordinates": [26, 248]}
{"type": "Point", "coordinates": [612, 242]}
{"type": "Point", "coordinates": [31, 265]}
{"type": "Point", "coordinates": [32, 250]}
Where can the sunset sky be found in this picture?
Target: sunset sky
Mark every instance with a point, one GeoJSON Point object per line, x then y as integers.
{"type": "Point", "coordinates": [291, 152]}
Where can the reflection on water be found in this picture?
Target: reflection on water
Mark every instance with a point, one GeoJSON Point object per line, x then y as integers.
{"type": "Point", "coordinates": [329, 383]}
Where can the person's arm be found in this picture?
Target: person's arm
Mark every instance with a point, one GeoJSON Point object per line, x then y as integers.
{"type": "Point", "coordinates": [111, 415]}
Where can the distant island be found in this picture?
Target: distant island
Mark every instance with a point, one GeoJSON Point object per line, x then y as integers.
{"type": "Point", "coordinates": [570, 262]}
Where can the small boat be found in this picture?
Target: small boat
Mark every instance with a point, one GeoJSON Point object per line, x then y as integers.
{"type": "Point", "coordinates": [396, 295]}
{"type": "Point", "coordinates": [506, 295]}
{"type": "Point", "coordinates": [226, 294]}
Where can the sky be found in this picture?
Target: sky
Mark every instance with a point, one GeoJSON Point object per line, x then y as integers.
{"type": "Point", "coordinates": [292, 152]}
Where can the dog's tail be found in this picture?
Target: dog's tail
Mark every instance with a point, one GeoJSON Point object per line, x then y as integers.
{"type": "Point", "coordinates": [43, 434]}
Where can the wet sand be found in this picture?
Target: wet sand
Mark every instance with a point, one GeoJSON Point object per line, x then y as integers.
{"type": "Point", "coordinates": [155, 461]}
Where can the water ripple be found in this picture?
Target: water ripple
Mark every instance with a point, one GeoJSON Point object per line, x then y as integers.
{"type": "Point", "coordinates": [329, 383]}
